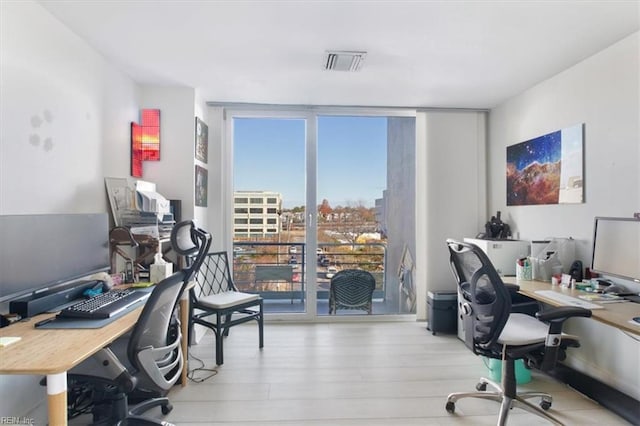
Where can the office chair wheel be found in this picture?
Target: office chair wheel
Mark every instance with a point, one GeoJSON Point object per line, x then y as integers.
{"type": "Point", "coordinates": [450, 407]}
{"type": "Point", "coordinates": [166, 409]}
{"type": "Point", "coordinates": [545, 404]}
{"type": "Point", "coordinates": [481, 387]}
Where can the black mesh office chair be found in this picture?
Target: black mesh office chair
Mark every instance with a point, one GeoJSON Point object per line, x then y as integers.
{"type": "Point", "coordinates": [215, 296]}
{"type": "Point", "coordinates": [147, 361]}
{"type": "Point", "coordinates": [493, 331]}
{"type": "Point", "coordinates": [351, 289]}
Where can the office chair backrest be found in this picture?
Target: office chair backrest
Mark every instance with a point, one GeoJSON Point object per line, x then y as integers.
{"type": "Point", "coordinates": [153, 349]}
{"type": "Point", "coordinates": [487, 302]}
{"type": "Point", "coordinates": [191, 242]}
{"type": "Point", "coordinates": [154, 345]}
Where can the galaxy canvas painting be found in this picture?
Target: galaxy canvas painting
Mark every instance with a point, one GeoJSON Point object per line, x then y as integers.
{"type": "Point", "coordinates": [546, 169]}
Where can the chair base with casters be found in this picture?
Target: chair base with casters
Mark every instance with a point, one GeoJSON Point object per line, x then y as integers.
{"type": "Point", "coordinates": [215, 301]}
{"type": "Point", "coordinates": [517, 344]}
{"type": "Point", "coordinates": [508, 398]}
{"type": "Point", "coordinates": [110, 405]}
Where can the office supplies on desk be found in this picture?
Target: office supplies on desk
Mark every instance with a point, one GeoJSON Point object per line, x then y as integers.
{"type": "Point", "coordinates": [567, 300]}
{"type": "Point", "coordinates": [6, 341]}
{"type": "Point", "coordinates": [143, 284]}
{"type": "Point", "coordinates": [503, 253]}
{"type": "Point", "coordinates": [104, 305]}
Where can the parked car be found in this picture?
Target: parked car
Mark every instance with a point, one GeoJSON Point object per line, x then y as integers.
{"type": "Point", "coordinates": [323, 261]}
{"type": "Point", "coordinates": [319, 251]}
{"type": "Point", "coordinates": [331, 271]}
{"type": "Point", "coordinates": [293, 250]}
{"type": "Point", "coordinates": [293, 260]}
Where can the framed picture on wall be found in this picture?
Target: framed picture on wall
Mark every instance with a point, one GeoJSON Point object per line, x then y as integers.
{"type": "Point", "coordinates": [547, 169]}
{"type": "Point", "coordinates": [201, 186]}
{"type": "Point", "coordinates": [202, 141]}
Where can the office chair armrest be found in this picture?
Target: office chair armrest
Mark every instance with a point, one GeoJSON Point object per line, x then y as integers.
{"type": "Point", "coordinates": [562, 313]}
{"type": "Point", "coordinates": [553, 345]}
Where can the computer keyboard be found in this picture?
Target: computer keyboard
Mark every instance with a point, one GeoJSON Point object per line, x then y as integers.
{"type": "Point", "coordinates": [567, 300]}
{"type": "Point", "coordinates": [104, 305]}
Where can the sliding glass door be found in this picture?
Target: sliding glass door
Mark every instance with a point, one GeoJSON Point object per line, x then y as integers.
{"type": "Point", "coordinates": [318, 192]}
{"type": "Point", "coordinates": [269, 207]}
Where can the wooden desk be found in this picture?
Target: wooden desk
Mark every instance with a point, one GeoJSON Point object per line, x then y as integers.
{"type": "Point", "coordinates": [53, 352]}
{"type": "Point", "coordinates": [614, 314]}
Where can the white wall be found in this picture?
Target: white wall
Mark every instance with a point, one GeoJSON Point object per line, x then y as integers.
{"type": "Point", "coordinates": [602, 92]}
{"type": "Point", "coordinates": [174, 174]}
{"type": "Point", "coordinates": [219, 171]}
{"type": "Point", "coordinates": [450, 192]}
{"type": "Point", "coordinates": [60, 105]}
{"type": "Point", "coordinates": [64, 114]}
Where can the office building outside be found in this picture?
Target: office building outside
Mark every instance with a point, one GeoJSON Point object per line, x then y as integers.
{"type": "Point", "coordinates": [256, 213]}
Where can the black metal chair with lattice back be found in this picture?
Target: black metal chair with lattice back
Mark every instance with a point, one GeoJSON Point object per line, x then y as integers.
{"type": "Point", "coordinates": [492, 330]}
{"type": "Point", "coordinates": [351, 289]}
{"type": "Point", "coordinates": [215, 296]}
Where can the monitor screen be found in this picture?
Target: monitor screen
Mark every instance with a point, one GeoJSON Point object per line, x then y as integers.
{"type": "Point", "coordinates": [616, 247]}
{"type": "Point", "coordinates": [44, 251]}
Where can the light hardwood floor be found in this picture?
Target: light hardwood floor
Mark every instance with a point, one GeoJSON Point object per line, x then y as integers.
{"type": "Point", "coordinates": [353, 374]}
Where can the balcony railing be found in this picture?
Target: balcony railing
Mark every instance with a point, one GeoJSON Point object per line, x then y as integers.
{"type": "Point", "coordinates": [330, 258]}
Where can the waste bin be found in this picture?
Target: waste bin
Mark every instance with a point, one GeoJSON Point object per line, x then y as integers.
{"type": "Point", "coordinates": [523, 374]}
{"type": "Point", "coordinates": [442, 308]}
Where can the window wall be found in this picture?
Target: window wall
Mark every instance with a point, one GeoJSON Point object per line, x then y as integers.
{"type": "Point", "coordinates": [323, 190]}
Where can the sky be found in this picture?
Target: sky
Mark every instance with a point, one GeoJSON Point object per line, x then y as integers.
{"type": "Point", "coordinates": [269, 155]}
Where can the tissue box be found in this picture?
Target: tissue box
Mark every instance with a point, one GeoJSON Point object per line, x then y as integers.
{"type": "Point", "coordinates": [160, 272]}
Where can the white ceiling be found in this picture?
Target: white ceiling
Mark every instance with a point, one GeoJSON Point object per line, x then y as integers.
{"type": "Point", "coordinates": [463, 54]}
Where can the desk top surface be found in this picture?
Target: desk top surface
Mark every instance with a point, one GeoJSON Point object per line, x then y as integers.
{"type": "Point", "coordinates": [618, 315]}
{"type": "Point", "coordinates": [52, 351]}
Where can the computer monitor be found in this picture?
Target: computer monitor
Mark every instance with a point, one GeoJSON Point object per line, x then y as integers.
{"type": "Point", "coordinates": [40, 252]}
{"type": "Point", "coordinates": [616, 247]}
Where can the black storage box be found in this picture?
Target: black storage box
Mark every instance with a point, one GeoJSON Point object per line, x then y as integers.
{"type": "Point", "coordinates": [442, 310]}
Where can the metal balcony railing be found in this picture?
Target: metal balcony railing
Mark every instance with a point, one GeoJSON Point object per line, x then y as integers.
{"type": "Point", "coordinates": [251, 262]}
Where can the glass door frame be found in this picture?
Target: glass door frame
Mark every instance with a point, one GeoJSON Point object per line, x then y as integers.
{"type": "Point", "coordinates": [310, 114]}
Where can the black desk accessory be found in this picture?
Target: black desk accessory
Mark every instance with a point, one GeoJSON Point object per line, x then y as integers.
{"type": "Point", "coordinates": [43, 301]}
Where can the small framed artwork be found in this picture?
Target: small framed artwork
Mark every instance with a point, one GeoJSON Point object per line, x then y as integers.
{"type": "Point", "coordinates": [201, 186]}
{"type": "Point", "coordinates": [547, 169]}
{"type": "Point", "coordinates": [202, 140]}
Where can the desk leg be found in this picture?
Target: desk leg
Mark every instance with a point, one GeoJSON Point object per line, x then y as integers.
{"type": "Point", "coordinates": [184, 326]}
{"type": "Point", "coordinates": [57, 398]}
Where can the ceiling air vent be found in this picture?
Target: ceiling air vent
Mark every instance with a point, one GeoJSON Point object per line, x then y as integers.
{"type": "Point", "coordinates": [341, 60]}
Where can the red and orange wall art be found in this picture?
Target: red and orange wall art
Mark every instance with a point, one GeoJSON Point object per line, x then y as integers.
{"type": "Point", "coordinates": [145, 140]}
